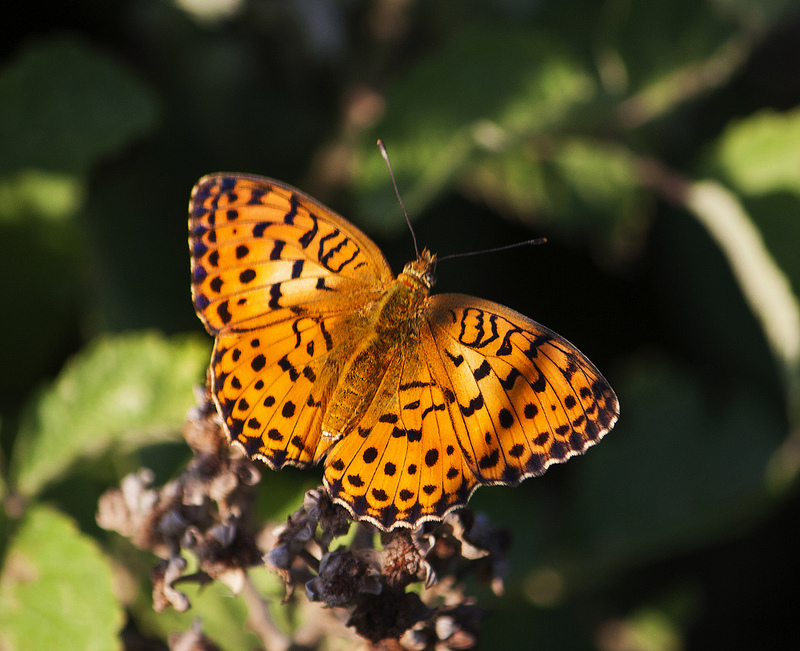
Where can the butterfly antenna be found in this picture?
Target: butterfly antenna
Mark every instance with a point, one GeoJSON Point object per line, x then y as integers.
{"type": "Point", "coordinates": [538, 240]}
{"type": "Point", "coordinates": [382, 147]}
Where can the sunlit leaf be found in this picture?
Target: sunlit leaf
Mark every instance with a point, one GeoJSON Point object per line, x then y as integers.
{"type": "Point", "coordinates": [128, 389]}
{"type": "Point", "coordinates": [55, 588]}
{"type": "Point", "coordinates": [481, 92]}
{"type": "Point", "coordinates": [761, 153]}
{"type": "Point", "coordinates": [32, 193]}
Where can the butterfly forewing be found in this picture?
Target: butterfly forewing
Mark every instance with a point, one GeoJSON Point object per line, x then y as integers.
{"type": "Point", "coordinates": [259, 245]}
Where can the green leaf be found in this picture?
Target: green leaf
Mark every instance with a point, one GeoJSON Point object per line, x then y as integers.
{"type": "Point", "coordinates": [133, 388]}
{"type": "Point", "coordinates": [761, 154]}
{"type": "Point", "coordinates": [55, 588]}
{"type": "Point", "coordinates": [483, 91]}
{"type": "Point", "coordinates": [580, 181]}
{"type": "Point", "coordinates": [50, 196]}
{"type": "Point", "coordinates": [64, 104]}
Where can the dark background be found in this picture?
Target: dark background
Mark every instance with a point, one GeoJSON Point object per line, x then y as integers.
{"type": "Point", "coordinates": [588, 123]}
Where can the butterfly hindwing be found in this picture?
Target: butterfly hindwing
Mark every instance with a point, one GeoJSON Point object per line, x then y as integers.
{"type": "Point", "coordinates": [272, 386]}
{"type": "Point", "coordinates": [403, 464]}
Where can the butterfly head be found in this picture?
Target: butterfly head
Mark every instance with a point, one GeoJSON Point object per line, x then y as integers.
{"type": "Point", "coordinates": [421, 269]}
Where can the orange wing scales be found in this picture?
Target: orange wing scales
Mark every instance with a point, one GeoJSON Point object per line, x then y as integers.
{"type": "Point", "coordinates": [426, 398]}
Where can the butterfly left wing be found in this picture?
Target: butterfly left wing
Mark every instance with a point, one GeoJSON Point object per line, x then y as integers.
{"type": "Point", "coordinates": [280, 280]}
{"type": "Point", "coordinates": [272, 386]}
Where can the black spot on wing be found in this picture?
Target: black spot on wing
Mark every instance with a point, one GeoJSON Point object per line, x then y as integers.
{"type": "Point", "coordinates": [224, 313]}
{"type": "Point", "coordinates": [277, 250]}
{"type": "Point", "coordinates": [456, 359]}
{"type": "Point", "coordinates": [489, 460]}
{"type": "Point", "coordinates": [482, 371]}
{"type": "Point", "coordinates": [474, 404]}
{"type": "Point", "coordinates": [431, 457]}
{"type": "Point", "coordinates": [275, 296]}
{"type": "Point", "coordinates": [286, 366]}
{"type": "Point", "coordinates": [540, 384]}
{"type": "Point", "coordinates": [288, 218]}
{"type": "Point", "coordinates": [508, 382]}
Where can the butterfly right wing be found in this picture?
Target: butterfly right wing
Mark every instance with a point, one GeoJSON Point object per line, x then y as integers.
{"type": "Point", "coordinates": [483, 395]}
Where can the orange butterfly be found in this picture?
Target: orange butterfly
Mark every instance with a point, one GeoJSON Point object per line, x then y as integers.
{"type": "Point", "coordinates": [413, 400]}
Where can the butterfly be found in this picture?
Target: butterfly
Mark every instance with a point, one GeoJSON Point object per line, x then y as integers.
{"type": "Point", "coordinates": [413, 400]}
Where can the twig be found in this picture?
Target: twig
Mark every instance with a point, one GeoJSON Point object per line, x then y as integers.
{"type": "Point", "coordinates": [260, 619]}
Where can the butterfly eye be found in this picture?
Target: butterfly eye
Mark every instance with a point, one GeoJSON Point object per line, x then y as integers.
{"type": "Point", "coordinates": [430, 278]}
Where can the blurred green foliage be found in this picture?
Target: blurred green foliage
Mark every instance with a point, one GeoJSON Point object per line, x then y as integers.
{"type": "Point", "coordinates": [657, 147]}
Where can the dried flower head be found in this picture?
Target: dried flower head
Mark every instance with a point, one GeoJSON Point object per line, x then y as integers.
{"type": "Point", "coordinates": [208, 511]}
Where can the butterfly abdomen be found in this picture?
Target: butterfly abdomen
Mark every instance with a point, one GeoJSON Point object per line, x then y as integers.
{"type": "Point", "coordinates": [394, 319]}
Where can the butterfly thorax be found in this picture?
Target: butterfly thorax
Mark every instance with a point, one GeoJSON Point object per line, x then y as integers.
{"type": "Point", "coordinates": [395, 319]}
